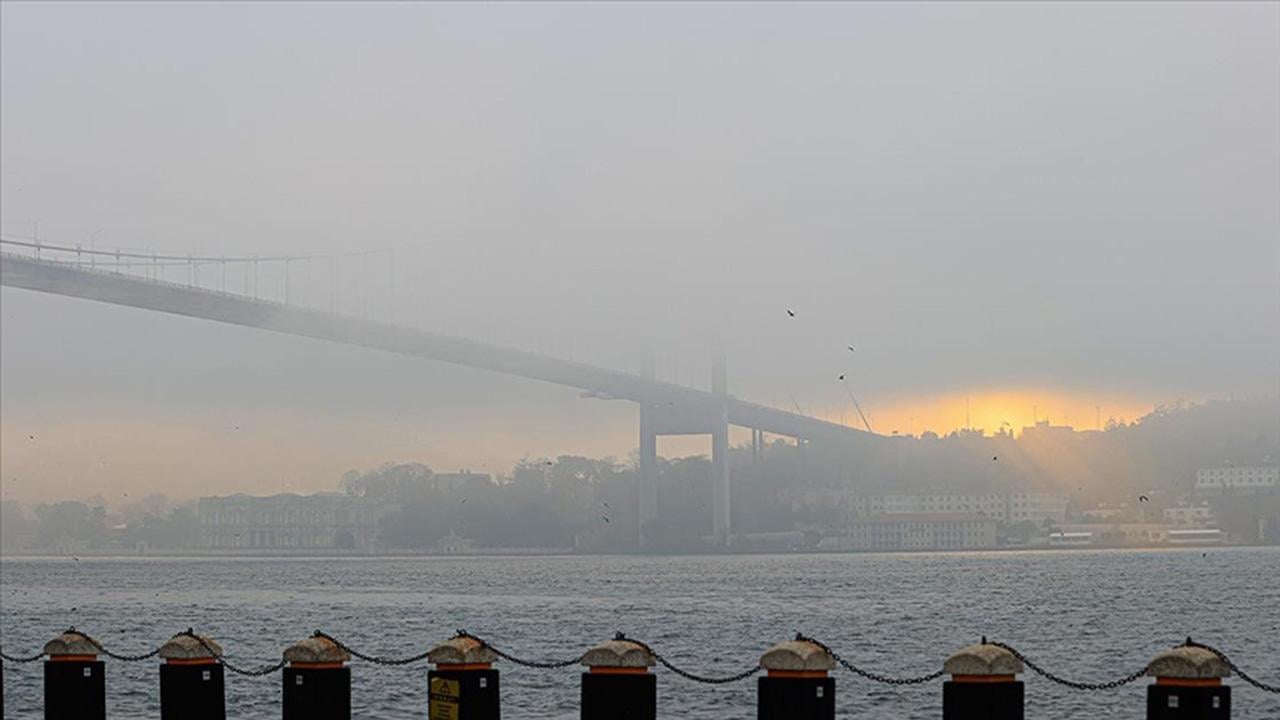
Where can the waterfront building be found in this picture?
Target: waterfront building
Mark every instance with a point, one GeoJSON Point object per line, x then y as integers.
{"type": "Point", "coordinates": [919, 531]}
{"type": "Point", "coordinates": [1012, 508]}
{"type": "Point", "coordinates": [289, 522]}
{"type": "Point", "coordinates": [1192, 515]}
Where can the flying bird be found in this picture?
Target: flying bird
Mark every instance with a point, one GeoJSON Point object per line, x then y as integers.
{"type": "Point", "coordinates": [842, 376]}
{"type": "Point", "coordinates": [1143, 498]}
{"type": "Point", "coordinates": [791, 313]}
{"type": "Point", "coordinates": [605, 518]}
{"type": "Point", "coordinates": [604, 503]}
{"type": "Point", "coordinates": [31, 437]}
{"type": "Point", "coordinates": [994, 458]}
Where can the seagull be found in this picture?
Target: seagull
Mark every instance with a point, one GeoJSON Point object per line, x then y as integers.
{"type": "Point", "coordinates": [791, 313]}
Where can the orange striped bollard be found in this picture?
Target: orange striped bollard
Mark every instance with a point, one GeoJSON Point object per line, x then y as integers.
{"type": "Point", "coordinates": [75, 685]}
{"type": "Point", "coordinates": [464, 685]}
{"type": "Point", "coordinates": [317, 682]}
{"type": "Point", "coordinates": [192, 684]}
{"type": "Point", "coordinates": [617, 684]}
{"type": "Point", "coordinates": [1188, 685]}
{"type": "Point", "coordinates": [983, 684]}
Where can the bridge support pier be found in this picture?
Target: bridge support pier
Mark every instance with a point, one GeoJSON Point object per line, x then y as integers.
{"type": "Point", "coordinates": [721, 527]}
{"type": "Point", "coordinates": [647, 472]}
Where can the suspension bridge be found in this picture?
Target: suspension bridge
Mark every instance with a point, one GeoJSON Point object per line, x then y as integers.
{"type": "Point", "coordinates": [264, 292]}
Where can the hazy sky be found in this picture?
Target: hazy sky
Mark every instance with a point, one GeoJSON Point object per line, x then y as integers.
{"type": "Point", "coordinates": [1024, 204]}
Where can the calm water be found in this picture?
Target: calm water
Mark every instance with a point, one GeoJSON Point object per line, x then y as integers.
{"type": "Point", "coordinates": [1088, 615]}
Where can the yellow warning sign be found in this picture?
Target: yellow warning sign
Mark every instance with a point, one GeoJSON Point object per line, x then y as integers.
{"type": "Point", "coordinates": [443, 699]}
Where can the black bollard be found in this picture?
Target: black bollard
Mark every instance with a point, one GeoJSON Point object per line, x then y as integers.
{"type": "Point", "coordinates": [798, 685]}
{"type": "Point", "coordinates": [1188, 685]}
{"type": "Point", "coordinates": [983, 684]}
{"type": "Point", "coordinates": [75, 684]}
{"type": "Point", "coordinates": [617, 684]}
{"type": "Point", "coordinates": [192, 684]}
{"type": "Point", "coordinates": [317, 682]}
{"type": "Point", "coordinates": [464, 685]}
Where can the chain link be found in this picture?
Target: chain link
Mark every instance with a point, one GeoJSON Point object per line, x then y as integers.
{"type": "Point", "coordinates": [1075, 685]}
{"type": "Point", "coordinates": [388, 662]}
{"type": "Point", "coordinates": [875, 677]}
{"type": "Point", "coordinates": [1234, 668]}
{"type": "Point", "coordinates": [536, 664]}
{"type": "Point", "coordinates": [108, 653]}
{"type": "Point", "coordinates": [13, 659]}
{"type": "Point", "coordinates": [258, 672]}
{"type": "Point", "coordinates": [704, 679]}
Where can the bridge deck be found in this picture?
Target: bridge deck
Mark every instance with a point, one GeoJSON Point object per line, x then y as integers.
{"type": "Point", "coordinates": [119, 289]}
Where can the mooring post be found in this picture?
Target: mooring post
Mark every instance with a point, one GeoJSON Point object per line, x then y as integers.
{"type": "Point", "coordinates": [192, 684]}
{"type": "Point", "coordinates": [798, 685]}
{"type": "Point", "coordinates": [317, 682]}
{"type": "Point", "coordinates": [75, 684]}
{"type": "Point", "coordinates": [464, 685]}
{"type": "Point", "coordinates": [1188, 685]}
{"type": "Point", "coordinates": [617, 684]}
{"type": "Point", "coordinates": [983, 684]}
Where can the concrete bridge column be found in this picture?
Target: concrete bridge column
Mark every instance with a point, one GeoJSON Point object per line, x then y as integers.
{"type": "Point", "coordinates": [647, 480]}
{"type": "Point", "coordinates": [721, 522]}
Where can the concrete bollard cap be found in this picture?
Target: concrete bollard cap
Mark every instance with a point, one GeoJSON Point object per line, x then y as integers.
{"type": "Point", "coordinates": [461, 650]}
{"type": "Point", "coordinates": [798, 656]}
{"type": "Point", "coordinates": [982, 659]}
{"type": "Point", "coordinates": [1188, 662]}
{"type": "Point", "coordinates": [71, 642]}
{"type": "Point", "coordinates": [618, 653]}
{"type": "Point", "coordinates": [316, 650]}
{"type": "Point", "coordinates": [185, 647]}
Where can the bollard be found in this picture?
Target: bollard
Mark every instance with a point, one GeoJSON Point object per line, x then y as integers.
{"type": "Point", "coordinates": [75, 685]}
{"type": "Point", "coordinates": [317, 683]}
{"type": "Point", "coordinates": [1188, 685]}
{"type": "Point", "coordinates": [617, 684]}
{"type": "Point", "coordinates": [983, 685]}
{"type": "Point", "coordinates": [464, 685]}
{"type": "Point", "coordinates": [192, 686]}
{"type": "Point", "coordinates": [798, 685]}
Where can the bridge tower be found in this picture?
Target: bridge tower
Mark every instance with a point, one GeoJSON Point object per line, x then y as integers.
{"type": "Point", "coordinates": [709, 417]}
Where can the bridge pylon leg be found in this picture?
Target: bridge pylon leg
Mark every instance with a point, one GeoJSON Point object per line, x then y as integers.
{"type": "Point", "coordinates": [647, 472]}
{"type": "Point", "coordinates": [721, 526]}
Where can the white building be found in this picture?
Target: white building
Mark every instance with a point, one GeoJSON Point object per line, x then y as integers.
{"type": "Point", "coordinates": [1035, 507]}
{"type": "Point", "coordinates": [1190, 515]}
{"type": "Point", "coordinates": [289, 522]}
{"type": "Point", "coordinates": [921, 531]}
{"type": "Point", "coordinates": [1241, 480]}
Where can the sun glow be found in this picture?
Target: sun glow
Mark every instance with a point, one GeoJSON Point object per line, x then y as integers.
{"type": "Point", "coordinates": [993, 411]}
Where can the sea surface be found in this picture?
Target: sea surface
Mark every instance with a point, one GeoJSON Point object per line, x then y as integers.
{"type": "Point", "coordinates": [1087, 615]}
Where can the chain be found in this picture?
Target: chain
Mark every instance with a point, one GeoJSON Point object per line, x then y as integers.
{"type": "Point", "coordinates": [1234, 668]}
{"type": "Point", "coordinates": [258, 672]}
{"type": "Point", "coordinates": [1109, 685]}
{"type": "Point", "coordinates": [875, 677]}
{"type": "Point", "coordinates": [685, 673]}
{"type": "Point", "coordinates": [536, 664]}
{"type": "Point", "coordinates": [390, 662]}
{"type": "Point", "coordinates": [13, 659]}
{"type": "Point", "coordinates": [108, 653]}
